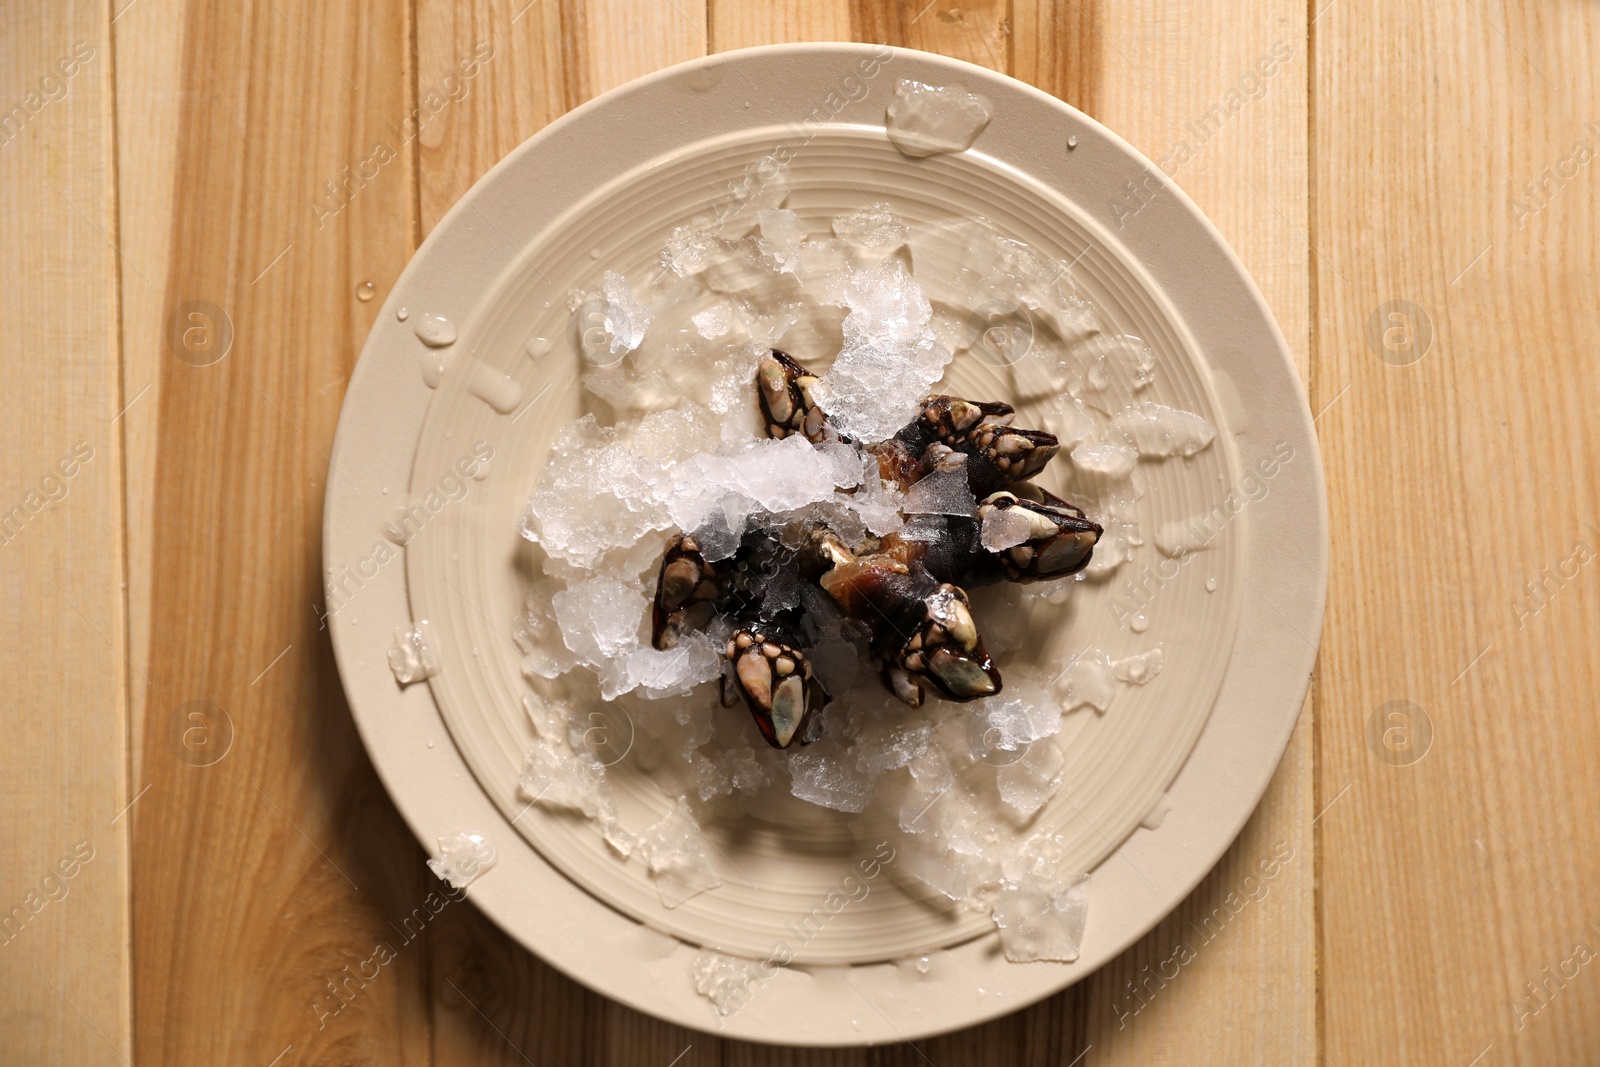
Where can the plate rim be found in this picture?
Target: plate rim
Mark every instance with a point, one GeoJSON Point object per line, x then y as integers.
{"type": "Point", "coordinates": [369, 719]}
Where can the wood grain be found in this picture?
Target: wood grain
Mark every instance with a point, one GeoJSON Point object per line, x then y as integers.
{"type": "Point", "coordinates": [1057, 46]}
{"type": "Point", "coordinates": [1451, 883]}
{"type": "Point", "coordinates": [492, 1001]}
{"type": "Point", "coordinates": [63, 882]}
{"type": "Point", "coordinates": [757, 22]}
{"type": "Point", "coordinates": [222, 161]}
{"type": "Point", "coordinates": [1218, 102]}
{"type": "Point", "coordinates": [246, 906]}
{"type": "Point", "coordinates": [976, 32]}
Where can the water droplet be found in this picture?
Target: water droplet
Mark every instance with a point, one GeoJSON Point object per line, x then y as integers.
{"type": "Point", "coordinates": [1072, 142]}
{"type": "Point", "coordinates": [366, 291]}
{"type": "Point", "coordinates": [1139, 623]}
{"type": "Point", "coordinates": [594, 253]}
{"type": "Point", "coordinates": [402, 314]}
{"type": "Point", "coordinates": [436, 331]}
{"type": "Point", "coordinates": [537, 347]}
{"type": "Point", "coordinates": [1211, 585]}
{"type": "Point", "coordinates": [430, 744]}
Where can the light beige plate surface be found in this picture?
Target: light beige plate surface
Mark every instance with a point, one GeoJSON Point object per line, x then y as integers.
{"type": "Point", "coordinates": [601, 189]}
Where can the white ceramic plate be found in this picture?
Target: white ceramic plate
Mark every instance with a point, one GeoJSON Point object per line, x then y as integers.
{"type": "Point", "coordinates": [601, 189]}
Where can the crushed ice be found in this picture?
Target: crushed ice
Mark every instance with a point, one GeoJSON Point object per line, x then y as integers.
{"type": "Point", "coordinates": [414, 655]}
{"type": "Point", "coordinates": [923, 120]}
{"type": "Point", "coordinates": [462, 858]}
{"type": "Point", "coordinates": [879, 307]}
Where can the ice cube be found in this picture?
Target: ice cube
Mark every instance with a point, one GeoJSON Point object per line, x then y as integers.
{"type": "Point", "coordinates": [1160, 431]}
{"type": "Point", "coordinates": [594, 495]}
{"type": "Point", "coordinates": [600, 618]}
{"type": "Point", "coordinates": [661, 673]}
{"type": "Point", "coordinates": [1003, 529]}
{"type": "Point", "coordinates": [822, 259]}
{"type": "Point", "coordinates": [830, 780]}
{"type": "Point", "coordinates": [746, 773]}
{"type": "Point", "coordinates": [619, 840]}
{"type": "Point", "coordinates": [734, 769]}
{"type": "Point", "coordinates": [886, 745]}
{"type": "Point", "coordinates": [547, 719]}
{"type": "Point", "coordinates": [1110, 552]}
{"type": "Point", "coordinates": [674, 851]}
{"type": "Point", "coordinates": [535, 632]}
{"type": "Point", "coordinates": [876, 502]}
{"type": "Point", "coordinates": [1122, 361]}
{"type": "Point", "coordinates": [720, 491]}
{"type": "Point", "coordinates": [837, 663]}
{"type": "Point", "coordinates": [1022, 713]}
{"type": "Point", "coordinates": [938, 873]}
{"type": "Point", "coordinates": [781, 236]}
{"type": "Point", "coordinates": [689, 250]}
{"type": "Point", "coordinates": [889, 357]}
{"type": "Point", "coordinates": [967, 263]}
{"type": "Point", "coordinates": [1028, 782]}
{"type": "Point", "coordinates": [620, 317]}
{"type": "Point", "coordinates": [462, 858]}
{"type": "Point", "coordinates": [733, 386]}
{"type": "Point", "coordinates": [763, 186]}
{"type": "Point", "coordinates": [414, 654]}
{"type": "Point", "coordinates": [924, 528]}
{"type": "Point", "coordinates": [744, 273]}
{"type": "Point", "coordinates": [1089, 681]}
{"type": "Point", "coordinates": [1067, 419]}
{"type": "Point", "coordinates": [872, 233]}
{"type": "Point", "coordinates": [1042, 918]}
{"type": "Point", "coordinates": [714, 322]}
{"type": "Point", "coordinates": [727, 982]}
{"type": "Point", "coordinates": [931, 771]}
{"type": "Point", "coordinates": [954, 874]}
{"type": "Point", "coordinates": [1184, 536]}
{"type": "Point", "coordinates": [1139, 668]}
{"type": "Point", "coordinates": [923, 120]}
{"type": "Point", "coordinates": [1107, 459]}
{"type": "Point", "coordinates": [555, 778]}
{"type": "Point", "coordinates": [848, 471]}
{"type": "Point", "coordinates": [943, 492]}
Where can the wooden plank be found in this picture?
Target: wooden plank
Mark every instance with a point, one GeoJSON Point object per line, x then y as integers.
{"type": "Point", "coordinates": [63, 886]}
{"type": "Point", "coordinates": [1460, 889]}
{"type": "Point", "coordinates": [543, 59]}
{"type": "Point", "coordinates": [264, 203]}
{"type": "Point", "coordinates": [1056, 45]}
{"type": "Point", "coordinates": [493, 1002]}
{"type": "Point", "coordinates": [755, 22]}
{"type": "Point", "coordinates": [1215, 95]}
{"type": "Point", "coordinates": [147, 127]}
{"type": "Point", "coordinates": [465, 992]}
{"type": "Point", "coordinates": [976, 32]}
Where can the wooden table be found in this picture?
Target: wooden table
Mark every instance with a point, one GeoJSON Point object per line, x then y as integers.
{"type": "Point", "coordinates": [1415, 193]}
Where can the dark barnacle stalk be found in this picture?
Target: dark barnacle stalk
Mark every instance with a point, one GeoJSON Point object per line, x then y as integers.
{"type": "Point", "coordinates": [908, 594]}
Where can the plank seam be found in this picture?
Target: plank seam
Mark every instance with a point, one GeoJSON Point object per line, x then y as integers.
{"type": "Point", "coordinates": [119, 439]}
{"type": "Point", "coordinates": [1314, 697]}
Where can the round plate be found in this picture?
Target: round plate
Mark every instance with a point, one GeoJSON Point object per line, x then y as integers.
{"type": "Point", "coordinates": [600, 189]}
